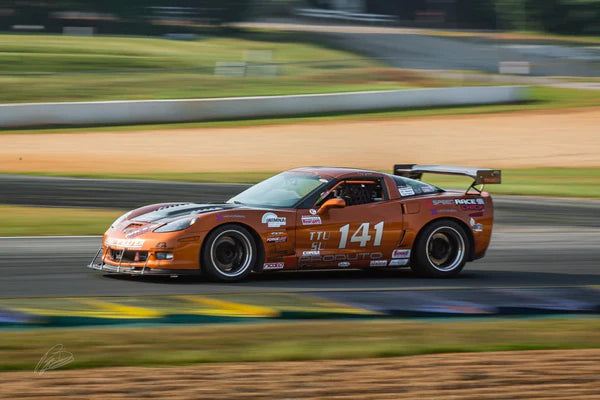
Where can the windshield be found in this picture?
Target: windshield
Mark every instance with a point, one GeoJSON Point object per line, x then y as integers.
{"type": "Point", "coordinates": [283, 190]}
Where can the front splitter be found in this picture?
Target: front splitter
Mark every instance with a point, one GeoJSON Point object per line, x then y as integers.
{"type": "Point", "coordinates": [126, 270]}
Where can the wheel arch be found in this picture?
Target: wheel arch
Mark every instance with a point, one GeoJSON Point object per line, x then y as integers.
{"type": "Point", "coordinates": [260, 247]}
{"type": "Point", "coordinates": [468, 232]}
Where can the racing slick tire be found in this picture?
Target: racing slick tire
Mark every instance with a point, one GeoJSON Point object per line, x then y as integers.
{"type": "Point", "coordinates": [229, 254]}
{"type": "Point", "coordinates": [441, 250]}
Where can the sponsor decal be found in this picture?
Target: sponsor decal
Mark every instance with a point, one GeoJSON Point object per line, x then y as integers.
{"type": "Point", "coordinates": [476, 227]}
{"type": "Point", "coordinates": [378, 263]}
{"type": "Point", "coordinates": [401, 253]}
{"type": "Point", "coordinates": [491, 179]}
{"type": "Point", "coordinates": [277, 265]}
{"type": "Point", "coordinates": [277, 239]}
{"type": "Point", "coordinates": [469, 201]}
{"type": "Point", "coordinates": [312, 211]}
{"type": "Point", "coordinates": [406, 191]}
{"type": "Point", "coordinates": [344, 264]}
{"type": "Point", "coordinates": [273, 221]}
{"type": "Point", "coordinates": [311, 220]}
{"type": "Point", "coordinates": [129, 243]}
{"type": "Point", "coordinates": [341, 257]}
{"type": "Point", "coordinates": [277, 233]}
{"type": "Point", "coordinates": [441, 202]}
{"type": "Point", "coordinates": [309, 253]}
{"type": "Point", "coordinates": [475, 215]}
{"type": "Point", "coordinates": [471, 207]}
{"type": "Point", "coordinates": [161, 245]}
{"type": "Point", "coordinates": [130, 234]}
{"type": "Point", "coordinates": [398, 263]}
{"type": "Point", "coordinates": [435, 211]}
{"type": "Point", "coordinates": [470, 204]}
{"type": "Point", "coordinates": [428, 189]}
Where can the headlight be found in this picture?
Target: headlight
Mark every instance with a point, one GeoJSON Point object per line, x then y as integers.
{"type": "Point", "coordinates": [120, 219]}
{"type": "Point", "coordinates": [178, 225]}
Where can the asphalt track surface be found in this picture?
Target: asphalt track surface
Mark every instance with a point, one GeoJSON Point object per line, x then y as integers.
{"type": "Point", "coordinates": [55, 267]}
{"type": "Point", "coordinates": [428, 52]}
{"type": "Point", "coordinates": [107, 193]}
{"type": "Point", "coordinates": [538, 243]}
{"type": "Point", "coordinates": [409, 48]}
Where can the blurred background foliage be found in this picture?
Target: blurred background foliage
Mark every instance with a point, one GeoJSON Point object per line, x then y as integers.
{"type": "Point", "coordinates": [558, 16]}
{"type": "Point", "coordinates": [160, 16]}
{"type": "Point", "coordinates": [129, 17]}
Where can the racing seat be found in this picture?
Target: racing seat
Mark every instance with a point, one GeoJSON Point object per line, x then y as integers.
{"type": "Point", "coordinates": [354, 194]}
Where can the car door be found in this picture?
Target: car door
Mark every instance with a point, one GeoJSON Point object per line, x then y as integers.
{"type": "Point", "coordinates": [361, 234]}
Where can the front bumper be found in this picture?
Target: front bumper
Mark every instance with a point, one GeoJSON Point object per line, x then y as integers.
{"type": "Point", "coordinates": [128, 270]}
{"type": "Point", "coordinates": [102, 261]}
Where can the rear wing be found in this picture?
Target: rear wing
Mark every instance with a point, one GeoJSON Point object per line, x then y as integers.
{"type": "Point", "coordinates": [481, 176]}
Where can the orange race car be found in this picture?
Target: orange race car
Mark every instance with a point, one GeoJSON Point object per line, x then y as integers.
{"type": "Point", "coordinates": [311, 218]}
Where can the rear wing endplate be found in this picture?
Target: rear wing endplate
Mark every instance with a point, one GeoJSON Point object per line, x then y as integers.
{"type": "Point", "coordinates": [481, 176]}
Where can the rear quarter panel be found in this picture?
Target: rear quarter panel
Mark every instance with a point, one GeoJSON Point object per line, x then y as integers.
{"type": "Point", "coordinates": [475, 212]}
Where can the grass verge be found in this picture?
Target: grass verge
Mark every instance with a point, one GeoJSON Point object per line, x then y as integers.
{"type": "Point", "coordinates": [21, 350]}
{"type": "Point", "coordinates": [49, 68]}
{"type": "Point", "coordinates": [542, 98]}
{"type": "Point", "coordinates": [50, 221]}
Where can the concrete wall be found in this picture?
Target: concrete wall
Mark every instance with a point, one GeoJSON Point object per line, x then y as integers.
{"type": "Point", "coordinates": [154, 111]}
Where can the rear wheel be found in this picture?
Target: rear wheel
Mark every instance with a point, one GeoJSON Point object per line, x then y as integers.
{"type": "Point", "coordinates": [441, 250]}
{"type": "Point", "coordinates": [229, 254]}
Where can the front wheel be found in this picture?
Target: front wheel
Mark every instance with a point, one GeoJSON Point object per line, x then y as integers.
{"type": "Point", "coordinates": [228, 254]}
{"type": "Point", "coordinates": [441, 250]}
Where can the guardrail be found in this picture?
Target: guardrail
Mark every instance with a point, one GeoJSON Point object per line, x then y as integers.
{"type": "Point", "coordinates": [343, 15]}
{"type": "Point", "coordinates": [156, 111]}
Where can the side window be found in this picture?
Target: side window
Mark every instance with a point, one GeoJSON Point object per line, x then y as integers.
{"type": "Point", "coordinates": [410, 187]}
{"type": "Point", "coordinates": [357, 191]}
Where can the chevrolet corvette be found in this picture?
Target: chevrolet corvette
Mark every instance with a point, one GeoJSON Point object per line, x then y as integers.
{"type": "Point", "coordinates": [311, 218]}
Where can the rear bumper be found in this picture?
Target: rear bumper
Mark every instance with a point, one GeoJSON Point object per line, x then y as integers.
{"type": "Point", "coordinates": [128, 270]}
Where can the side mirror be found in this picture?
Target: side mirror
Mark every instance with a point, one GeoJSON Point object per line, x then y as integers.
{"type": "Point", "coordinates": [331, 203]}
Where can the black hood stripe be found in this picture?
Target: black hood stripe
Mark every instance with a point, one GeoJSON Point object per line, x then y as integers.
{"type": "Point", "coordinates": [172, 212]}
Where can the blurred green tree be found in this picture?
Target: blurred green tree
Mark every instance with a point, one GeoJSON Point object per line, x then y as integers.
{"type": "Point", "coordinates": [560, 16]}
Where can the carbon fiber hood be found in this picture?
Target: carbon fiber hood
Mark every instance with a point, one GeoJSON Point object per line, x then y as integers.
{"type": "Point", "coordinates": [175, 211]}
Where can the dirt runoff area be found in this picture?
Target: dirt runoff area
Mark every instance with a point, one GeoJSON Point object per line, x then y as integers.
{"type": "Point", "coordinates": [570, 374]}
{"type": "Point", "coordinates": [551, 138]}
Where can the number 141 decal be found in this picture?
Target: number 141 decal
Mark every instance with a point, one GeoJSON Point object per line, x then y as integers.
{"type": "Point", "coordinates": [361, 235]}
